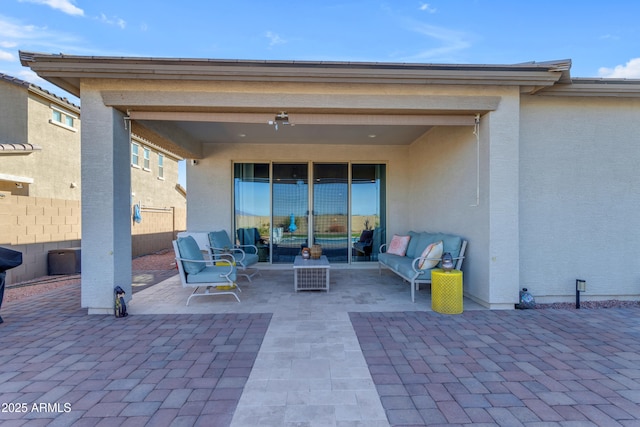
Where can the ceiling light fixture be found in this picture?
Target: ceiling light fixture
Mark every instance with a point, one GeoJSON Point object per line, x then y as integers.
{"type": "Point", "coordinates": [282, 118]}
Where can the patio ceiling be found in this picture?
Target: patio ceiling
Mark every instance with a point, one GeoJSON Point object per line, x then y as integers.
{"type": "Point", "coordinates": [253, 133]}
{"type": "Point", "coordinates": [303, 128]}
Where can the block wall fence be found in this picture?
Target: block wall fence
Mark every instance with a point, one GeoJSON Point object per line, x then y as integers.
{"type": "Point", "coordinates": [36, 225]}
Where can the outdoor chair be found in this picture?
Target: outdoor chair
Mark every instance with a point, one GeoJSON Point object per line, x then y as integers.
{"type": "Point", "coordinates": [217, 277]}
{"type": "Point", "coordinates": [364, 245]}
{"type": "Point", "coordinates": [244, 256]}
{"type": "Point", "coordinates": [251, 236]}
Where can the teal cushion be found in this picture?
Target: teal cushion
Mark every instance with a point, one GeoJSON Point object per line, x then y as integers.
{"type": "Point", "coordinates": [250, 259]}
{"type": "Point", "coordinates": [212, 274]}
{"type": "Point", "coordinates": [452, 244]}
{"type": "Point", "coordinates": [411, 249]}
{"type": "Point", "coordinates": [189, 250]}
{"type": "Point", "coordinates": [424, 240]}
{"type": "Point", "coordinates": [403, 266]}
{"type": "Point", "coordinates": [220, 240]}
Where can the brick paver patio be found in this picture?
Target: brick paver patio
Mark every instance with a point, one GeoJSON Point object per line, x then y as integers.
{"type": "Point", "coordinates": [511, 368]}
{"type": "Point", "coordinates": [481, 367]}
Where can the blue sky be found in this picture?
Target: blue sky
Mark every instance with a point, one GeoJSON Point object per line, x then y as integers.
{"type": "Point", "coordinates": [601, 38]}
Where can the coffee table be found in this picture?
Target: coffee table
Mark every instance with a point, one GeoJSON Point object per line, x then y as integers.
{"type": "Point", "coordinates": [311, 274]}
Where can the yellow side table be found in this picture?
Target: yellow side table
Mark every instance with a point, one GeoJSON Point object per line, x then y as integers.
{"type": "Point", "coordinates": [446, 291]}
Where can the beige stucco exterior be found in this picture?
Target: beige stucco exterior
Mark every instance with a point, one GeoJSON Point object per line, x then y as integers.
{"type": "Point", "coordinates": [579, 196]}
{"type": "Point", "coordinates": [526, 187]}
{"type": "Point", "coordinates": [26, 118]}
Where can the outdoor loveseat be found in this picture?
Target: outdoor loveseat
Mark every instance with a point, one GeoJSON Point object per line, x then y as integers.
{"type": "Point", "coordinates": [422, 253]}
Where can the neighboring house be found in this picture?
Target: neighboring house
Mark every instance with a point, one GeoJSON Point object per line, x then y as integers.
{"type": "Point", "coordinates": [158, 201]}
{"type": "Point", "coordinates": [41, 179]}
{"type": "Point", "coordinates": [39, 142]}
{"type": "Point", "coordinates": [535, 168]}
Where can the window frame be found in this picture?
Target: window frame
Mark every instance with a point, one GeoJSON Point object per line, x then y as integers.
{"type": "Point", "coordinates": [60, 117]}
{"type": "Point", "coordinates": [135, 164]}
{"type": "Point", "coordinates": [146, 159]}
{"type": "Point", "coordinates": [160, 166]}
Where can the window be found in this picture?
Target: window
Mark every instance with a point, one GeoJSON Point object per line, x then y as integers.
{"type": "Point", "coordinates": [134, 154]}
{"type": "Point", "coordinates": [160, 166]}
{"type": "Point", "coordinates": [63, 118]}
{"type": "Point", "coordinates": [147, 155]}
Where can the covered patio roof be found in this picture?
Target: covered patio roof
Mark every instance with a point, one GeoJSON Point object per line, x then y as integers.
{"type": "Point", "coordinates": [182, 119]}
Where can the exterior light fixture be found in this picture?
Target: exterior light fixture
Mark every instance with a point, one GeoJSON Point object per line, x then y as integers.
{"type": "Point", "coordinates": [581, 286]}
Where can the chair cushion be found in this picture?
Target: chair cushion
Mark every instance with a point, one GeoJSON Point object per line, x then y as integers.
{"type": "Point", "coordinates": [189, 250]}
{"type": "Point", "coordinates": [212, 274]}
{"type": "Point", "coordinates": [250, 259]}
{"type": "Point", "coordinates": [434, 252]}
{"type": "Point", "coordinates": [398, 245]}
{"type": "Point", "coordinates": [220, 240]}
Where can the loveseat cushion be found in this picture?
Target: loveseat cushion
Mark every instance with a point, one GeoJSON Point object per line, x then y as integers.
{"type": "Point", "coordinates": [402, 265]}
{"type": "Point", "coordinates": [451, 243]}
{"type": "Point", "coordinates": [189, 250]}
{"type": "Point", "coordinates": [212, 274]}
{"type": "Point", "coordinates": [413, 243]}
{"type": "Point", "coordinates": [424, 239]}
{"type": "Point", "coordinates": [390, 260]}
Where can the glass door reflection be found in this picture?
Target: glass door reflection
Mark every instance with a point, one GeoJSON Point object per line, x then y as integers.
{"type": "Point", "coordinates": [290, 195]}
{"type": "Point", "coordinates": [368, 211]}
{"type": "Point", "coordinates": [331, 210]}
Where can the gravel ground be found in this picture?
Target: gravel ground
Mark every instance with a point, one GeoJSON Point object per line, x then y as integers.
{"type": "Point", "coordinates": [151, 269]}
{"type": "Point", "coordinates": [590, 304]}
{"type": "Point", "coordinates": [147, 270]}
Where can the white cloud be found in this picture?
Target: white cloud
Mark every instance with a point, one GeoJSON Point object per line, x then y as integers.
{"type": "Point", "coordinates": [450, 42]}
{"type": "Point", "coordinates": [65, 6]}
{"type": "Point", "coordinates": [16, 35]}
{"type": "Point", "coordinates": [426, 7]}
{"type": "Point", "coordinates": [7, 56]}
{"type": "Point", "coordinates": [113, 21]}
{"type": "Point", "coordinates": [274, 39]}
{"type": "Point", "coordinates": [630, 70]}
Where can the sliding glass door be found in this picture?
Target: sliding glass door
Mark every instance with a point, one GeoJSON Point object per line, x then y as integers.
{"type": "Point", "coordinates": [347, 216]}
{"type": "Point", "coordinates": [290, 232]}
{"type": "Point", "coordinates": [252, 206]}
{"type": "Point", "coordinates": [368, 210]}
{"type": "Point", "coordinates": [331, 210]}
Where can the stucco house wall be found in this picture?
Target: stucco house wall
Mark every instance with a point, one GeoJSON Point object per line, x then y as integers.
{"type": "Point", "coordinates": [580, 196]}
{"type": "Point", "coordinates": [13, 113]}
{"type": "Point", "coordinates": [26, 118]}
{"type": "Point", "coordinates": [147, 186]}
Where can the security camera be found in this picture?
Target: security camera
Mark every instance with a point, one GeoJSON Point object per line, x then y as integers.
{"type": "Point", "coordinates": [194, 162]}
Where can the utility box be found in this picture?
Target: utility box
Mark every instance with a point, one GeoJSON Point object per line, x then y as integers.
{"type": "Point", "coordinates": [64, 261]}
